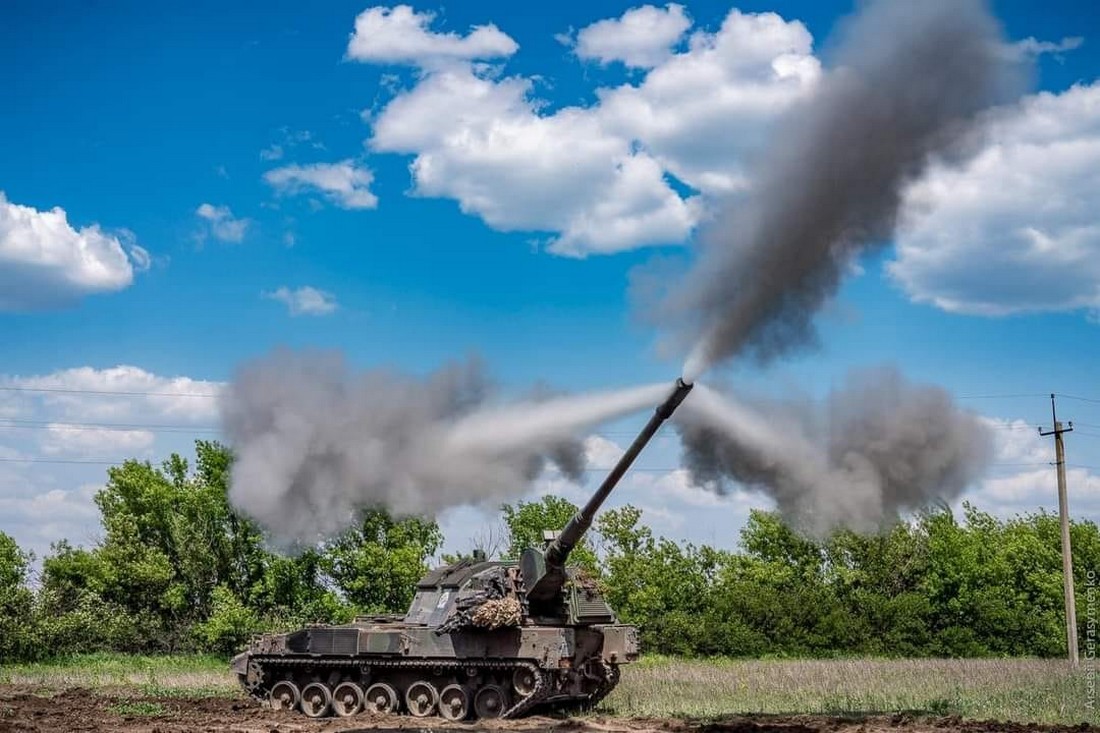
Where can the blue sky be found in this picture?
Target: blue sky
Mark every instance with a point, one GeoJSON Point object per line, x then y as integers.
{"type": "Point", "coordinates": [227, 153]}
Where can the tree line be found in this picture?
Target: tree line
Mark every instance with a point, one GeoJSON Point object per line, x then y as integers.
{"type": "Point", "coordinates": [177, 569]}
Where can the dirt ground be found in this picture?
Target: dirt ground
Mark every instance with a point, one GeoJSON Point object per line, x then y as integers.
{"type": "Point", "coordinates": [29, 711]}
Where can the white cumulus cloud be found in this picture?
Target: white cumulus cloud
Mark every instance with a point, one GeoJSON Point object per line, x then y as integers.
{"type": "Point", "coordinates": [139, 256]}
{"type": "Point", "coordinates": [599, 178]}
{"type": "Point", "coordinates": [1032, 47]}
{"type": "Point", "coordinates": [288, 141]}
{"type": "Point", "coordinates": [45, 262]}
{"type": "Point", "coordinates": [39, 518]}
{"type": "Point", "coordinates": [92, 441]}
{"type": "Point", "coordinates": [600, 453]}
{"type": "Point", "coordinates": [642, 37]}
{"type": "Point", "coordinates": [55, 423]}
{"type": "Point", "coordinates": [1029, 491]}
{"type": "Point", "coordinates": [122, 393]}
{"type": "Point", "coordinates": [1022, 478]}
{"type": "Point", "coordinates": [703, 111]}
{"type": "Point", "coordinates": [272, 152]}
{"type": "Point", "coordinates": [1018, 443]}
{"type": "Point", "coordinates": [484, 143]}
{"type": "Point", "coordinates": [345, 184]}
{"type": "Point", "coordinates": [304, 301]}
{"type": "Point", "coordinates": [1013, 229]}
{"type": "Point", "coordinates": [400, 35]}
{"type": "Point", "coordinates": [221, 224]}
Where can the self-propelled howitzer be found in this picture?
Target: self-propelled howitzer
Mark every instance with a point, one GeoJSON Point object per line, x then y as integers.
{"type": "Point", "coordinates": [481, 639]}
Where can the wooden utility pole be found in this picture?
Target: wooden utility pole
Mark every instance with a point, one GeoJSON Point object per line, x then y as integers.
{"type": "Point", "coordinates": [1067, 552]}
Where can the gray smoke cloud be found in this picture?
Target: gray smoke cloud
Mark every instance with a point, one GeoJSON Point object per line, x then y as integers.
{"type": "Point", "coordinates": [907, 82]}
{"type": "Point", "coordinates": [316, 442]}
{"type": "Point", "coordinates": [877, 447]}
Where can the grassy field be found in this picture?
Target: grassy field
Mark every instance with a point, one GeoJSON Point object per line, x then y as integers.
{"type": "Point", "coordinates": [160, 676]}
{"type": "Point", "coordinates": [1022, 690]}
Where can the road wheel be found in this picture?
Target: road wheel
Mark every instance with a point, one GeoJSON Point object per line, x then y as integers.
{"type": "Point", "coordinates": [454, 702]}
{"type": "Point", "coordinates": [316, 700]}
{"type": "Point", "coordinates": [420, 699]}
{"type": "Point", "coordinates": [524, 681]}
{"type": "Point", "coordinates": [380, 699]}
{"type": "Point", "coordinates": [285, 696]}
{"type": "Point", "coordinates": [489, 702]}
{"type": "Point", "coordinates": [347, 699]}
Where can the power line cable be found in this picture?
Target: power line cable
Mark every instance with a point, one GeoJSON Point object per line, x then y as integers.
{"type": "Point", "coordinates": [1079, 399]}
{"type": "Point", "coordinates": [120, 427]}
{"type": "Point", "coordinates": [115, 462]}
{"type": "Point", "coordinates": [999, 396]}
{"type": "Point", "coordinates": [103, 392]}
{"type": "Point", "coordinates": [155, 427]}
{"type": "Point", "coordinates": [13, 422]}
{"type": "Point", "coordinates": [93, 461]}
{"type": "Point", "coordinates": [140, 393]}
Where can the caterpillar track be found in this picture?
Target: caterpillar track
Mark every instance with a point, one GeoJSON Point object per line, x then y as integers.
{"type": "Point", "coordinates": [454, 690]}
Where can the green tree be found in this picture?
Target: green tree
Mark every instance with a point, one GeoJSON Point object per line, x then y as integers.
{"type": "Point", "coordinates": [17, 637]}
{"type": "Point", "coordinates": [178, 567]}
{"type": "Point", "coordinates": [70, 573]}
{"type": "Point", "coordinates": [173, 553]}
{"type": "Point", "coordinates": [169, 540]}
{"type": "Point", "coordinates": [13, 564]}
{"type": "Point", "coordinates": [777, 587]}
{"type": "Point", "coordinates": [377, 563]}
{"type": "Point", "coordinates": [73, 613]}
{"type": "Point", "coordinates": [230, 623]}
{"type": "Point", "coordinates": [527, 520]}
{"type": "Point", "coordinates": [663, 587]}
{"type": "Point", "coordinates": [877, 579]}
{"type": "Point", "coordinates": [294, 590]}
{"type": "Point", "coordinates": [996, 585]}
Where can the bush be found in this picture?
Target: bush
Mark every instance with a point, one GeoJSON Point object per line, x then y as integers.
{"type": "Point", "coordinates": [89, 625]}
{"type": "Point", "coordinates": [230, 624]}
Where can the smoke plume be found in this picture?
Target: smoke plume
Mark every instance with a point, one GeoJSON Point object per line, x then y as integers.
{"type": "Point", "coordinates": [876, 448]}
{"type": "Point", "coordinates": [908, 80]}
{"type": "Point", "coordinates": [315, 442]}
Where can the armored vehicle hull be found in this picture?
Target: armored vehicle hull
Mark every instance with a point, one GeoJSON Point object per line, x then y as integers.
{"type": "Point", "coordinates": [389, 667]}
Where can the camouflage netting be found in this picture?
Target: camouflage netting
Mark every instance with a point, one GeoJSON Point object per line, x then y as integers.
{"type": "Point", "coordinates": [497, 613]}
{"type": "Point", "coordinates": [581, 578]}
{"type": "Point", "coordinates": [491, 607]}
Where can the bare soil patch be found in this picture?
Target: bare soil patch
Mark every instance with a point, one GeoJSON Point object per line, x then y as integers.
{"type": "Point", "coordinates": [29, 710]}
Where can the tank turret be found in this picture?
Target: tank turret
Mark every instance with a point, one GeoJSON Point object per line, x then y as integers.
{"type": "Point", "coordinates": [481, 639]}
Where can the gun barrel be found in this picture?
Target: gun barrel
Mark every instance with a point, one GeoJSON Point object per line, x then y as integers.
{"type": "Point", "coordinates": [559, 550]}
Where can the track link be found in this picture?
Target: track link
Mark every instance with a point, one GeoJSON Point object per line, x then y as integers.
{"type": "Point", "coordinates": [611, 676]}
{"type": "Point", "coordinates": [524, 704]}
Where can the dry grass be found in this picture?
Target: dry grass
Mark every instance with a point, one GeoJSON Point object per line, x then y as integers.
{"type": "Point", "coordinates": [152, 676]}
{"type": "Point", "coordinates": [1024, 690]}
